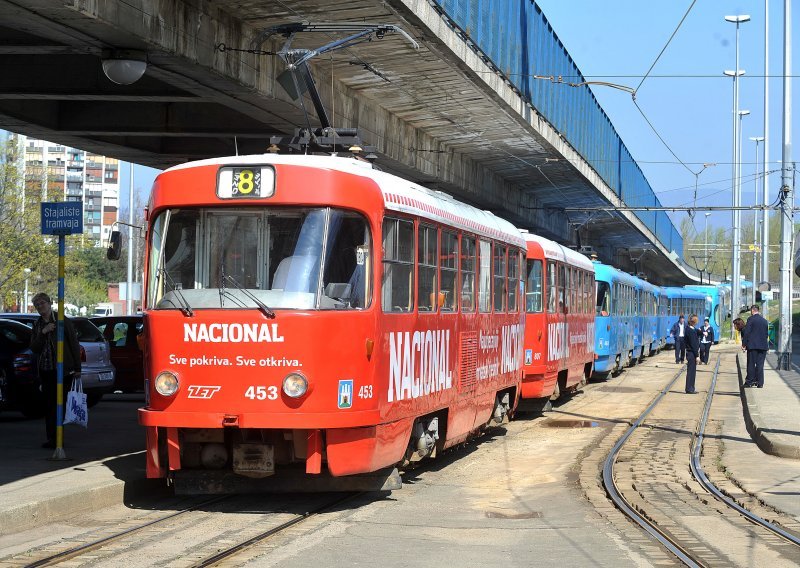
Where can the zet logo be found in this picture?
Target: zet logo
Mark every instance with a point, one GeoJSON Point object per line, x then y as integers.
{"type": "Point", "coordinates": [202, 391]}
{"type": "Point", "coordinates": [345, 393]}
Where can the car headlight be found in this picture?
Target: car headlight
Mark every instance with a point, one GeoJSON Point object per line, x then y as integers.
{"type": "Point", "coordinates": [295, 385]}
{"type": "Point", "coordinates": [166, 383]}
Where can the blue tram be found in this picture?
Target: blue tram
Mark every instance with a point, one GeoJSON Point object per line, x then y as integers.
{"type": "Point", "coordinates": [646, 336]}
{"type": "Point", "coordinates": [717, 307]}
{"type": "Point", "coordinates": [615, 313]}
{"type": "Point", "coordinates": [682, 301]}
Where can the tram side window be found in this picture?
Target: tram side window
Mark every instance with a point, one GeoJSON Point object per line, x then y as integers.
{"type": "Point", "coordinates": [563, 302]}
{"type": "Point", "coordinates": [398, 266]}
{"type": "Point", "coordinates": [513, 280]}
{"type": "Point", "coordinates": [485, 277]}
{"type": "Point", "coordinates": [551, 288]}
{"type": "Point", "coordinates": [603, 304]}
{"type": "Point", "coordinates": [427, 269]}
{"type": "Point", "coordinates": [449, 272]}
{"type": "Point", "coordinates": [467, 274]}
{"type": "Point", "coordinates": [533, 287]}
{"type": "Point", "coordinates": [499, 277]}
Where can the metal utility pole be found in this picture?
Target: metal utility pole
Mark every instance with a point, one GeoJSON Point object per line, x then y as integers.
{"type": "Point", "coordinates": [764, 180]}
{"type": "Point", "coordinates": [129, 290]}
{"type": "Point", "coordinates": [787, 198]}
{"type": "Point", "coordinates": [736, 303]}
{"type": "Point", "coordinates": [756, 139]}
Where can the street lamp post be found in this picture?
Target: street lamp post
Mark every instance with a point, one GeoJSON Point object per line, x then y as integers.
{"type": "Point", "coordinates": [736, 73]}
{"type": "Point", "coordinates": [705, 232]}
{"type": "Point", "coordinates": [757, 140]}
{"type": "Point", "coordinates": [24, 309]}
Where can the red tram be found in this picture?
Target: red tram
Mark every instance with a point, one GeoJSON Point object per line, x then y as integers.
{"type": "Point", "coordinates": [559, 328]}
{"type": "Point", "coordinates": [310, 310]}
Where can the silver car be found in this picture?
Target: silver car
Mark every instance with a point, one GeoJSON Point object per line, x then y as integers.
{"type": "Point", "coordinates": [97, 371]}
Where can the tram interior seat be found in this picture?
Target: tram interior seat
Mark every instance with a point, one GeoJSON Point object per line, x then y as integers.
{"type": "Point", "coordinates": [294, 271]}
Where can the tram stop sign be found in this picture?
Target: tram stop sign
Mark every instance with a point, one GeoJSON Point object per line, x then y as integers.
{"type": "Point", "coordinates": [62, 218]}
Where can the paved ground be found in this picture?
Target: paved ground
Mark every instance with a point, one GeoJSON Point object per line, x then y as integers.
{"type": "Point", "coordinates": [527, 494]}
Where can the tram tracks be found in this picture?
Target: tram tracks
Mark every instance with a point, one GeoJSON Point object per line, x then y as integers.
{"type": "Point", "coordinates": [115, 546]}
{"type": "Point", "coordinates": [656, 522]}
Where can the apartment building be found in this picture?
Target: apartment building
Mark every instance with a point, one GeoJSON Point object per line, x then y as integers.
{"type": "Point", "coordinates": [56, 171]}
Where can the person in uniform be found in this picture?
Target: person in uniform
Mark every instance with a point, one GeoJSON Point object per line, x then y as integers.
{"type": "Point", "coordinates": [706, 341]}
{"type": "Point", "coordinates": [756, 330]}
{"type": "Point", "coordinates": [692, 354]}
{"type": "Point", "coordinates": [678, 331]}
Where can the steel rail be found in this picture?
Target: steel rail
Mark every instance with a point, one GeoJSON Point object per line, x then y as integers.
{"type": "Point", "coordinates": [75, 551]}
{"type": "Point", "coordinates": [211, 560]}
{"type": "Point", "coordinates": [608, 481]}
{"type": "Point", "coordinates": [700, 475]}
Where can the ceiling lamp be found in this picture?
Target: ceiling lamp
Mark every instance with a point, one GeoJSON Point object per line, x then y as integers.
{"type": "Point", "coordinates": [124, 66]}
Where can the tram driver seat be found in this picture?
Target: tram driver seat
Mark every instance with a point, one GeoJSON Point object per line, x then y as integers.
{"type": "Point", "coordinates": [294, 273]}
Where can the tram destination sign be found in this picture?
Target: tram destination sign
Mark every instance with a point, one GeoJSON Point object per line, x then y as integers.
{"type": "Point", "coordinates": [62, 218]}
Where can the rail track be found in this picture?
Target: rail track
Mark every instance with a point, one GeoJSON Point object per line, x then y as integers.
{"type": "Point", "coordinates": [679, 549]}
{"type": "Point", "coordinates": [98, 544]}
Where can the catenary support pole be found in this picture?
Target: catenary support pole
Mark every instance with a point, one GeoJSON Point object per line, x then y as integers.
{"type": "Point", "coordinates": [129, 285]}
{"type": "Point", "coordinates": [787, 198]}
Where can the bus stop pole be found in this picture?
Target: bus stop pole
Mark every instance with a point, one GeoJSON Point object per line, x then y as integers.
{"type": "Point", "coordinates": [59, 454]}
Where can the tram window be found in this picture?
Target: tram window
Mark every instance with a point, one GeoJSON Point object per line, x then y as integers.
{"type": "Point", "coordinates": [533, 287]}
{"type": "Point", "coordinates": [449, 271]}
{"type": "Point", "coordinates": [179, 249]}
{"type": "Point", "coordinates": [485, 276]}
{"type": "Point", "coordinates": [551, 288]}
{"type": "Point", "coordinates": [467, 274]}
{"type": "Point", "coordinates": [398, 266]}
{"type": "Point", "coordinates": [603, 304]}
{"type": "Point", "coordinates": [513, 280]}
{"type": "Point", "coordinates": [233, 252]}
{"type": "Point", "coordinates": [348, 263]}
{"type": "Point", "coordinates": [499, 277]}
{"type": "Point", "coordinates": [426, 258]}
{"type": "Point", "coordinates": [563, 302]}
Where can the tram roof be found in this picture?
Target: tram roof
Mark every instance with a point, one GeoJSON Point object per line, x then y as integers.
{"type": "Point", "coordinates": [398, 194]}
{"type": "Point", "coordinates": [555, 251]}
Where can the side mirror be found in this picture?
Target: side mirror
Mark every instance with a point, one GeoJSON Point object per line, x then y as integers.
{"type": "Point", "coordinates": [114, 246]}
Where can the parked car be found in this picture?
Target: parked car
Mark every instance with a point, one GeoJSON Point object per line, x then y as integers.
{"type": "Point", "coordinates": [123, 334]}
{"type": "Point", "coordinates": [97, 371]}
{"type": "Point", "coordinates": [19, 384]}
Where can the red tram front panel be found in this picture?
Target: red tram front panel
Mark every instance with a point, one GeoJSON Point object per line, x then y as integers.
{"type": "Point", "coordinates": [237, 326]}
{"type": "Point", "coordinates": [559, 329]}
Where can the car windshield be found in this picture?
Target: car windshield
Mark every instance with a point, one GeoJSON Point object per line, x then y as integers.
{"type": "Point", "coordinates": [86, 331]}
{"type": "Point", "coordinates": [295, 258]}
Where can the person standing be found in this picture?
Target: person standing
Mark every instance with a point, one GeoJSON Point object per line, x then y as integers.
{"type": "Point", "coordinates": [692, 354]}
{"type": "Point", "coordinates": [756, 332]}
{"type": "Point", "coordinates": [706, 340]}
{"type": "Point", "coordinates": [678, 331]}
{"type": "Point", "coordinates": [44, 343]}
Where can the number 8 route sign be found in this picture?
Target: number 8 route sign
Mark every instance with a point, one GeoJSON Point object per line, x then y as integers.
{"type": "Point", "coordinates": [62, 218]}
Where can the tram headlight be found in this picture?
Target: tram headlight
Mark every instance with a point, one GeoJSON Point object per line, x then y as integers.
{"type": "Point", "coordinates": [295, 385]}
{"type": "Point", "coordinates": [166, 383]}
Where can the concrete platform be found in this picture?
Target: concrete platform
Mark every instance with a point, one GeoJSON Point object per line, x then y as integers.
{"type": "Point", "coordinates": [772, 413]}
{"type": "Point", "coordinates": [105, 466]}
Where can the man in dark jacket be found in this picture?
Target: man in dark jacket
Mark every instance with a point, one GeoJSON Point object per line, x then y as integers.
{"type": "Point", "coordinates": [44, 344]}
{"type": "Point", "coordinates": [756, 332]}
{"type": "Point", "coordinates": [706, 340]}
{"type": "Point", "coordinates": [678, 331]}
{"type": "Point", "coordinates": [692, 354]}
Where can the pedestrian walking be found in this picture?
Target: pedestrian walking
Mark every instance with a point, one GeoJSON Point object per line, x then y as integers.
{"type": "Point", "coordinates": [44, 344]}
{"type": "Point", "coordinates": [756, 330]}
{"type": "Point", "coordinates": [692, 354]}
{"type": "Point", "coordinates": [706, 341]}
{"type": "Point", "coordinates": [678, 331]}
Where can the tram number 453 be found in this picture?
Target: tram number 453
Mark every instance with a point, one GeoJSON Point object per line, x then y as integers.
{"type": "Point", "coordinates": [365, 391]}
{"type": "Point", "coordinates": [261, 393]}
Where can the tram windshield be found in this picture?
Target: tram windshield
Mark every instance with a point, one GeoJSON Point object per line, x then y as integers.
{"type": "Point", "coordinates": [603, 298]}
{"type": "Point", "coordinates": [285, 258]}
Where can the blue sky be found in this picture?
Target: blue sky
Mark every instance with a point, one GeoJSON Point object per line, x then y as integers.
{"type": "Point", "coordinates": [694, 115]}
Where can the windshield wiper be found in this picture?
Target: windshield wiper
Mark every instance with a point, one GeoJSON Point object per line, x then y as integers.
{"type": "Point", "coordinates": [261, 305]}
{"type": "Point", "coordinates": [186, 309]}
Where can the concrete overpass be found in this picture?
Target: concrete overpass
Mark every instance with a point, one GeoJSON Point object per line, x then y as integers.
{"type": "Point", "coordinates": [451, 115]}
